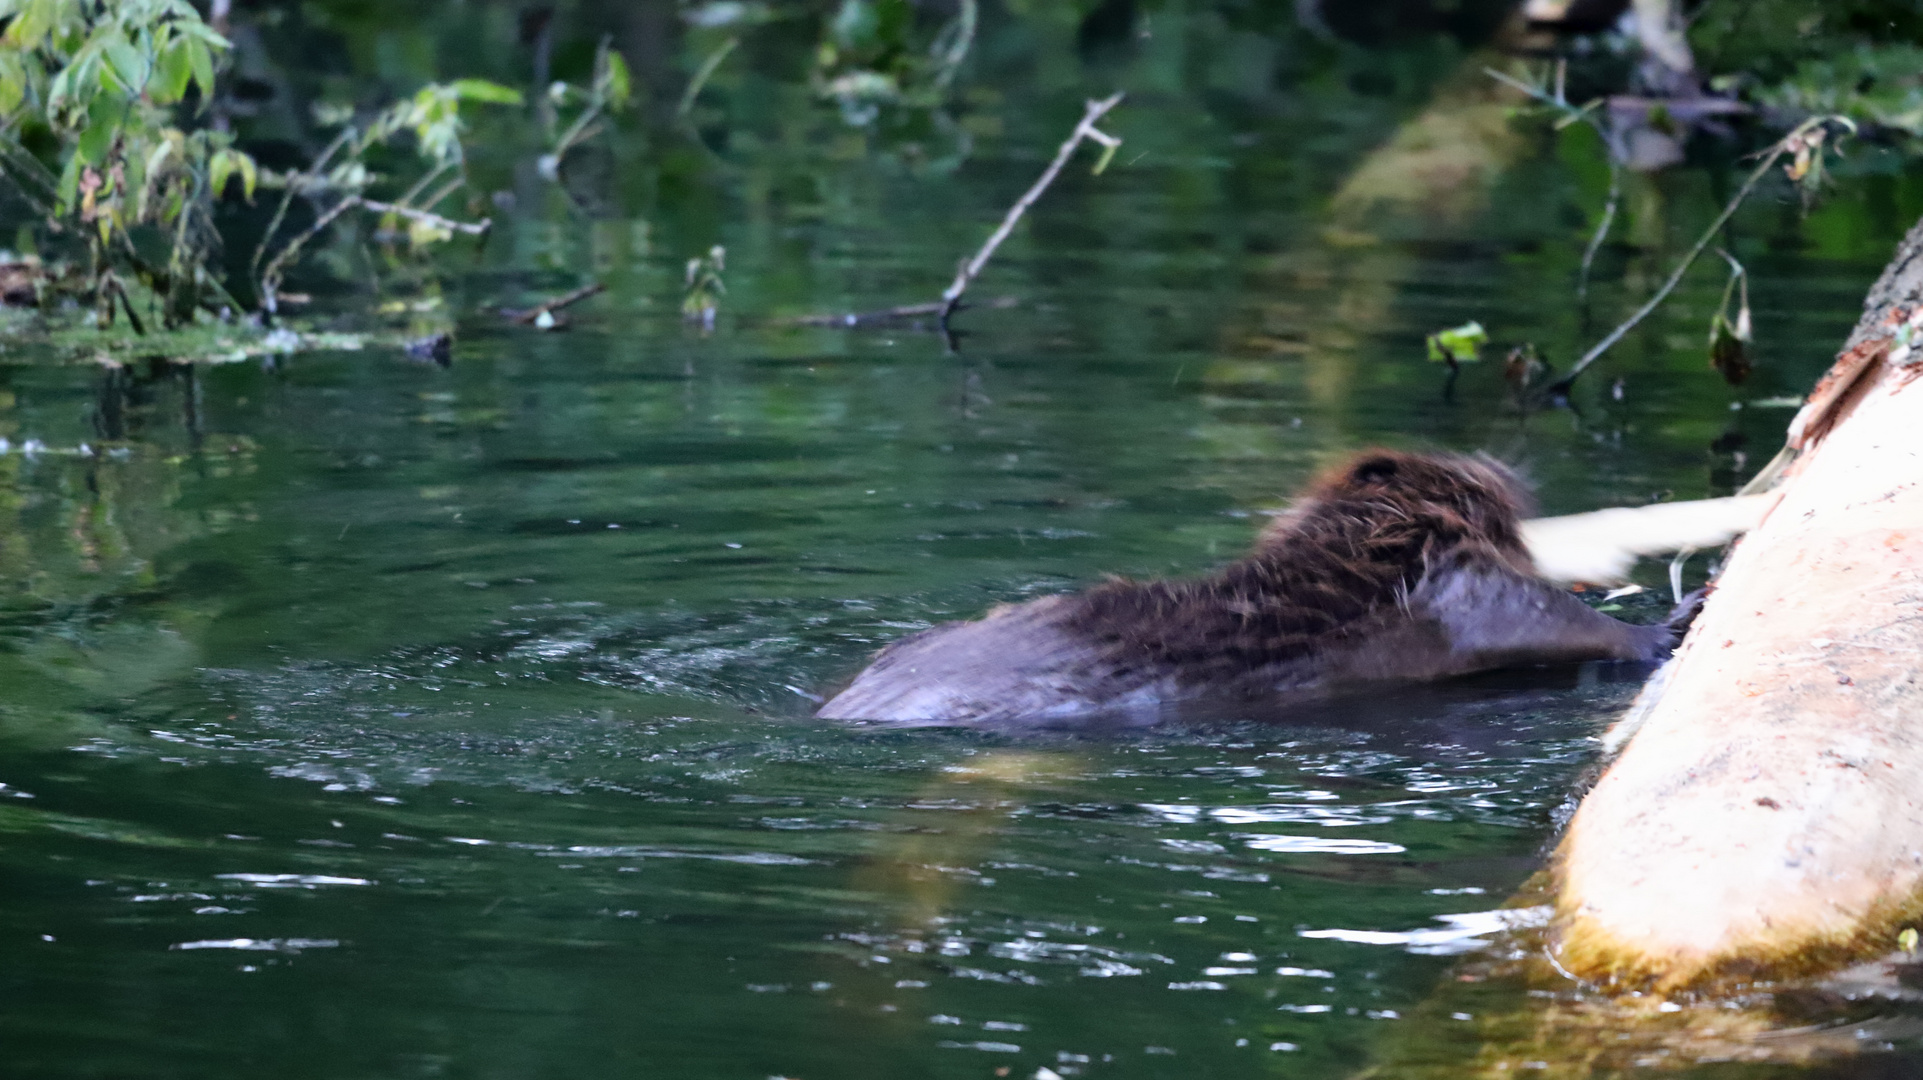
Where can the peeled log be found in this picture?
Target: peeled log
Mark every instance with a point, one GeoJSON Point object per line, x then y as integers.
{"type": "Point", "coordinates": [1765, 819]}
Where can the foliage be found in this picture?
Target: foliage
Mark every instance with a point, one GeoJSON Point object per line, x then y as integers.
{"type": "Point", "coordinates": [704, 287]}
{"type": "Point", "coordinates": [867, 58]}
{"type": "Point", "coordinates": [1851, 58]}
{"type": "Point", "coordinates": [432, 116]}
{"type": "Point", "coordinates": [121, 95]}
{"type": "Point", "coordinates": [1458, 345]}
{"type": "Point", "coordinates": [610, 91]}
{"type": "Point", "coordinates": [1729, 337]}
{"type": "Point", "coordinates": [106, 82]}
{"type": "Point", "coordinates": [1879, 85]}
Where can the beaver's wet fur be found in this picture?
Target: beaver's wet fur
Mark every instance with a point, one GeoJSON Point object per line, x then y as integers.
{"type": "Point", "coordinates": [1391, 566]}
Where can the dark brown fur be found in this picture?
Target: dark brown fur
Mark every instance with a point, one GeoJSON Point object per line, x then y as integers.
{"type": "Point", "coordinates": [1357, 542]}
{"type": "Point", "coordinates": [1393, 565]}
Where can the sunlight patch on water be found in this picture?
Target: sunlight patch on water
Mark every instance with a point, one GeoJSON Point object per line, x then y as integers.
{"type": "Point", "coordinates": [293, 881]}
{"type": "Point", "coordinates": [1298, 845]}
{"type": "Point", "coordinates": [1465, 932]}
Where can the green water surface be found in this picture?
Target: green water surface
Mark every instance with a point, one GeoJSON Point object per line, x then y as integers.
{"type": "Point", "coordinates": [365, 718]}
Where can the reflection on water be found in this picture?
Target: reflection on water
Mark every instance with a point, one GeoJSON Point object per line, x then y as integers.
{"type": "Point", "coordinates": [366, 718]}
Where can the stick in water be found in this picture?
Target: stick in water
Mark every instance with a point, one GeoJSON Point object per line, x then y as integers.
{"type": "Point", "coordinates": [1785, 145]}
{"type": "Point", "coordinates": [529, 315]}
{"type": "Point", "coordinates": [1092, 114]}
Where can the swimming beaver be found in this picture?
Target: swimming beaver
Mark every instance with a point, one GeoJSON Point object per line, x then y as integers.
{"type": "Point", "coordinates": [1393, 566]}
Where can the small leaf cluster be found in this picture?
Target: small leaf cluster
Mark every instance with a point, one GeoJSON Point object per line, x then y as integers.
{"type": "Point", "coordinates": [1871, 84]}
{"type": "Point", "coordinates": [705, 287]}
{"type": "Point", "coordinates": [1457, 345]}
{"type": "Point", "coordinates": [610, 92]}
{"type": "Point", "coordinates": [867, 57]}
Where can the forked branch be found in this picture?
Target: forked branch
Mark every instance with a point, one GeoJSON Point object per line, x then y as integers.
{"type": "Point", "coordinates": [1091, 115]}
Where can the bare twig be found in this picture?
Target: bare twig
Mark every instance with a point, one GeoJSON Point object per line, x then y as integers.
{"type": "Point", "coordinates": [471, 228]}
{"type": "Point", "coordinates": [294, 187]}
{"type": "Point", "coordinates": [529, 315]}
{"type": "Point", "coordinates": [1602, 228]}
{"type": "Point", "coordinates": [579, 131]}
{"type": "Point", "coordinates": [453, 184]}
{"type": "Point", "coordinates": [1093, 113]}
{"type": "Point", "coordinates": [1782, 146]}
{"type": "Point", "coordinates": [702, 75]}
{"type": "Point", "coordinates": [950, 58]}
{"type": "Point", "coordinates": [421, 184]}
{"type": "Point", "coordinates": [270, 277]}
{"type": "Point", "coordinates": [31, 178]}
{"type": "Point", "coordinates": [112, 288]}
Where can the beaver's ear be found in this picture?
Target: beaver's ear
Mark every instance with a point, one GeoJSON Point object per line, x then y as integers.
{"type": "Point", "coordinates": [1374, 469]}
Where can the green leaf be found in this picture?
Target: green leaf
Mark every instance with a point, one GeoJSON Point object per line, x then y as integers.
{"type": "Point", "coordinates": [1458, 345]}
{"type": "Point", "coordinates": [104, 116]}
{"type": "Point", "coordinates": [249, 173]}
{"type": "Point", "coordinates": [126, 64]}
{"type": "Point", "coordinates": [618, 86]}
{"type": "Point", "coordinates": [421, 233]}
{"type": "Point", "coordinates": [35, 20]}
{"type": "Point", "coordinates": [202, 59]}
{"type": "Point", "coordinates": [13, 81]}
{"type": "Point", "coordinates": [61, 89]}
{"type": "Point", "coordinates": [220, 168]}
{"type": "Point", "coordinates": [67, 192]}
{"type": "Point", "coordinates": [203, 33]}
{"type": "Point", "coordinates": [174, 69]}
{"type": "Point", "coordinates": [492, 93]}
{"type": "Point", "coordinates": [157, 158]}
{"type": "Point", "coordinates": [855, 25]}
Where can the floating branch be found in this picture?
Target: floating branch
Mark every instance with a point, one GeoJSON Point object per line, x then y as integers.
{"type": "Point", "coordinates": [869, 318]}
{"type": "Point", "coordinates": [530, 316]}
{"type": "Point", "coordinates": [950, 301]}
{"type": "Point", "coordinates": [904, 313]}
{"type": "Point", "coordinates": [1091, 114]}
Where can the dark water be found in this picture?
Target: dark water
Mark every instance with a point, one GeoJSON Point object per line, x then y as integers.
{"type": "Point", "coordinates": [360, 718]}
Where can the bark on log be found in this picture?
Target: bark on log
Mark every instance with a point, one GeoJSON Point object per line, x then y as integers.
{"type": "Point", "coordinates": [1765, 819]}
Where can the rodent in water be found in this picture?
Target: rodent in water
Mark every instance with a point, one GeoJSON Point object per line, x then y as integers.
{"type": "Point", "coordinates": [1393, 566]}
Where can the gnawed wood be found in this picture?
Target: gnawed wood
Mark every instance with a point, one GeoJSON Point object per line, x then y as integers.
{"type": "Point", "coordinates": [1765, 821]}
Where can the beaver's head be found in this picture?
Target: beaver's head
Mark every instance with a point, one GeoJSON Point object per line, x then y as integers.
{"type": "Point", "coordinates": [1470, 497]}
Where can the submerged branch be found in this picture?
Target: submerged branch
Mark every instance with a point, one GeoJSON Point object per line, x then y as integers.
{"type": "Point", "coordinates": [889, 316]}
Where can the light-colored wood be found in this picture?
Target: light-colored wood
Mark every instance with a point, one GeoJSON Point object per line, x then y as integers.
{"type": "Point", "coordinates": [1766, 818]}
{"type": "Point", "coordinates": [1600, 547]}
